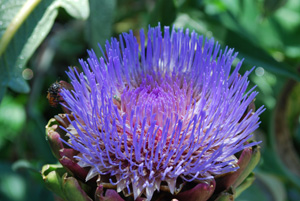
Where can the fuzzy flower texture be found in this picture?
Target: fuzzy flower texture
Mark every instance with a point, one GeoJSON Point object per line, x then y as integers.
{"type": "Point", "coordinates": [162, 109]}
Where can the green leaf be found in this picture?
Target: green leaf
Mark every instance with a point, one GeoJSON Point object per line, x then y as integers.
{"type": "Point", "coordinates": [274, 185]}
{"type": "Point", "coordinates": [23, 164]}
{"type": "Point", "coordinates": [273, 164]}
{"type": "Point", "coordinates": [25, 25]}
{"type": "Point", "coordinates": [270, 6]}
{"type": "Point", "coordinates": [265, 187]}
{"type": "Point", "coordinates": [13, 15]}
{"type": "Point", "coordinates": [21, 185]}
{"type": "Point", "coordinates": [12, 185]}
{"type": "Point", "coordinates": [179, 3]}
{"type": "Point", "coordinates": [99, 23]}
{"type": "Point", "coordinates": [256, 56]}
{"type": "Point", "coordinates": [201, 23]}
{"type": "Point", "coordinates": [277, 33]}
{"type": "Point", "coordinates": [12, 119]}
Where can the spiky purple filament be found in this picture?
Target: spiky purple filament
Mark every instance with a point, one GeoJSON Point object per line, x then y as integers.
{"type": "Point", "coordinates": [144, 115]}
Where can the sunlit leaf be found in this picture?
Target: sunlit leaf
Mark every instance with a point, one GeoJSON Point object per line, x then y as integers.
{"type": "Point", "coordinates": [25, 25]}
{"type": "Point", "coordinates": [277, 34]}
{"type": "Point", "coordinates": [199, 22]}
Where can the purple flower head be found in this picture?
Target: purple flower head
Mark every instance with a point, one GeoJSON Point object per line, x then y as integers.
{"type": "Point", "coordinates": [166, 110]}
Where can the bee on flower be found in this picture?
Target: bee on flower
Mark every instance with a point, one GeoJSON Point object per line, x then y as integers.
{"type": "Point", "coordinates": [53, 95]}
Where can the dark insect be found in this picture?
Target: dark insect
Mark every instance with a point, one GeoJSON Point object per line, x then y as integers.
{"type": "Point", "coordinates": [53, 95]}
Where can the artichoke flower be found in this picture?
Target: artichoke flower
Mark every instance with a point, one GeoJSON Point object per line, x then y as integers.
{"type": "Point", "coordinates": [166, 118]}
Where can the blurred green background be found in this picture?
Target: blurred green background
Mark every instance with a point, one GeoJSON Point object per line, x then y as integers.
{"type": "Point", "coordinates": [40, 39]}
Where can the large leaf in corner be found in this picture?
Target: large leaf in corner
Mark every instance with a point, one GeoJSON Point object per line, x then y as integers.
{"type": "Point", "coordinates": [24, 25]}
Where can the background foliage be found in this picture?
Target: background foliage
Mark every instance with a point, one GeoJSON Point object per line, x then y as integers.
{"type": "Point", "coordinates": [40, 39]}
